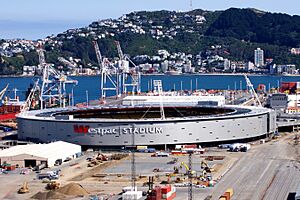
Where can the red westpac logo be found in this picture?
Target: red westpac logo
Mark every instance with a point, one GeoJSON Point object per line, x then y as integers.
{"type": "Point", "coordinates": [81, 129]}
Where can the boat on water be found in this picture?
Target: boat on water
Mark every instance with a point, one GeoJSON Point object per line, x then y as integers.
{"type": "Point", "coordinates": [9, 107]}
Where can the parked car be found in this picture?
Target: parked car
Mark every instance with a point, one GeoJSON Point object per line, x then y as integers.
{"type": "Point", "coordinates": [67, 159]}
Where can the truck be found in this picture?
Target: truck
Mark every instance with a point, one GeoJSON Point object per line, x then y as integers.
{"type": "Point", "coordinates": [49, 175]}
{"type": "Point", "coordinates": [147, 150]}
{"type": "Point", "coordinates": [39, 167]}
{"type": "Point", "coordinates": [161, 154]}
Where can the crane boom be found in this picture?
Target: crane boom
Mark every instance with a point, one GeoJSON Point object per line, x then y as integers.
{"type": "Point", "coordinates": [98, 54]}
{"type": "Point", "coordinates": [120, 52]}
{"type": "Point", "coordinates": [252, 91]}
{"type": "Point", "coordinates": [30, 97]}
{"type": "Point", "coordinates": [3, 91]}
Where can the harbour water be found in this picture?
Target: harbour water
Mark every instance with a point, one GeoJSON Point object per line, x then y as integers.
{"type": "Point", "coordinates": [89, 85]}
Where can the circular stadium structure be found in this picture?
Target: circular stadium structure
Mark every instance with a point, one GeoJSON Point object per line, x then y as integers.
{"type": "Point", "coordinates": [142, 125]}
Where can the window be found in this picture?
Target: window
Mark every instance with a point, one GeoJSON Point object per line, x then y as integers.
{"type": "Point", "coordinates": [190, 134]}
{"type": "Point", "coordinates": [175, 140]}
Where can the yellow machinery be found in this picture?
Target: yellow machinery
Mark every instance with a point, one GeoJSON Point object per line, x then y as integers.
{"type": "Point", "coordinates": [205, 166]}
{"type": "Point", "coordinates": [53, 185]}
{"type": "Point", "coordinates": [24, 188]}
{"type": "Point", "coordinates": [186, 167]}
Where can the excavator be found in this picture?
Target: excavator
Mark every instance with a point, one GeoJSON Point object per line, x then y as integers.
{"type": "Point", "coordinates": [24, 188]}
{"type": "Point", "coordinates": [205, 166]}
{"type": "Point", "coordinates": [186, 167]}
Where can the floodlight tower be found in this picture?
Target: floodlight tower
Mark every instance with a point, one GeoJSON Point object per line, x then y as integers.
{"type": "Point", "coordinates": [158, 87]}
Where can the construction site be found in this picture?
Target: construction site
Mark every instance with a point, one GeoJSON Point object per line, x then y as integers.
{"type": "Point", "coordinates": [269, 170]}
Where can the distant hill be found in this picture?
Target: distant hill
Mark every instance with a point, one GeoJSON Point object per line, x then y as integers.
{"type": "Point", "coordinates": [236, 31]}
{"type": "Point", "coordinates": [259, 27]}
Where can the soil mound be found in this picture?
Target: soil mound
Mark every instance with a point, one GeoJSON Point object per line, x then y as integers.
{"type": "Point", "coordinates": [73, 189]}
{"type": "Point", "coordinates": [48, 195]}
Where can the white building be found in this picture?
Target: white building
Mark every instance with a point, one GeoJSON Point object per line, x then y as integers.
{"type": "Point", "coordinates": [36, 154]}
{"type": "Point", "coordinates": [164, 66]}
{"type": "Point", "coordinates": [226, 64]}
{"type": "Point", "coordinates": [259, 57]}
{"type": "Point", "coordinates": [249, 66]}
{"type": "Point", "coordinates": [294, 100]}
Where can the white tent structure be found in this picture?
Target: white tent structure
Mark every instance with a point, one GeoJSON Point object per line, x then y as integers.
{"type": "Point", "coordinates": [36, 154]}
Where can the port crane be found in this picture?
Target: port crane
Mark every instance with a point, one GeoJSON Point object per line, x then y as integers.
{"type": "Point", "coordinates": [28, 103]}
{"type": "Point", "coordinates": [53, 89]}
{"type": "Point", "coordinates": [130, 78]}
{"type": "Point", "coordinates": [106, 71]}
{"type": "Point", "coordinates": [252, 91]}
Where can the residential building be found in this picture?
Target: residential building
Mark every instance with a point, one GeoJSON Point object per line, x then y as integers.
{"type": "Point", "coordinates": [259, 57]}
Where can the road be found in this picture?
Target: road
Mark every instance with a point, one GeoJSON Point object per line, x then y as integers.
{"type": "Point", "coordinates": [268, 171]}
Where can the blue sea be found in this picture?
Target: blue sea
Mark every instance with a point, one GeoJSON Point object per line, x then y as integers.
{"type": "Point", "coordinates": [90, 84]}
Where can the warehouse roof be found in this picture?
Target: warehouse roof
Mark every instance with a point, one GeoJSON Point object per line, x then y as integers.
{"type": "Point", "coordinates": [50, 150]}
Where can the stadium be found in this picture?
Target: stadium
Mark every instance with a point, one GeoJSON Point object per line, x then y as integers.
{"type": "Point", "coordinates": [119, 126]}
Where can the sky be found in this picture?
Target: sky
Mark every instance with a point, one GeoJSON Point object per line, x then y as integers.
{"type": "Point", "coordinates": [35, 19]}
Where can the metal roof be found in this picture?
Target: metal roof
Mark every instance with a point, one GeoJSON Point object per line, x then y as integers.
{"type": "Point", "coordinates": [51, 150]}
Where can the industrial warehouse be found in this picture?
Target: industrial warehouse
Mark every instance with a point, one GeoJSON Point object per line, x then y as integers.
{"type": "Point", "coordinates": [32, 155]}
{"type": "Point", "coordinates": [139, 125]}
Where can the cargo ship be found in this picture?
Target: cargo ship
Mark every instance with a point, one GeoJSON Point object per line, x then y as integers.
{"type": "Point", "coordinates": [9, 108]}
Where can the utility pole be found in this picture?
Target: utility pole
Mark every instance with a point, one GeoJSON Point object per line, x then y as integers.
{"type": "Point", "coordinates": [190, 176]}
{"type": "Point", "coordinates": [133, 169]}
